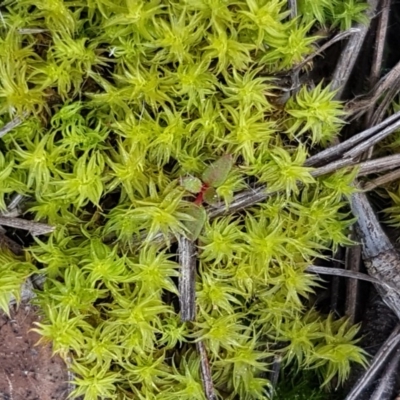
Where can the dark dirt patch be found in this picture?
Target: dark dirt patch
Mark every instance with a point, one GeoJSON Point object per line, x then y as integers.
{"type": "Point", "coordinates": [27, 371]}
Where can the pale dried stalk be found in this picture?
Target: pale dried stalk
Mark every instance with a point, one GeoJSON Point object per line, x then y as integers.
{"type": "Point", "coordinates": [274, 373]}
{"type": "Point", "coordinates": [29, 31]}
{"type": "Point", "coordinates": [345, 273]}
{"type": "Point", "coordinates": [335, 284]}
{"type": "Point", "coordinates": [380, 41]}
{"type": "Point", "coordinates": [385, 103]}
{"type": "Point", "coordinates": [372, 117]}
{"type": "Point", "coordinates": [349, 55]}
{"type": "Point", "coordinates": [208, 385]}
{"type": "Point", "coordinates": [187, 279]}
{"type": "Point", "coordinates": [387, 382]}
{"type": "Point", "coordinates": [292, 4]}
{"type": "Point", "coordinates": [389, 83]}
{"type": "Point", "coordinates": [35, 228]}
{"type": "Point", "coordinates": [365, 168]}
{"type": "Point", "coordinates": [376, 365]}
{"type": "Point", "coordinates": [383, 129]}
{"type": "Point", "coordinates": [10, 126]}
{"type": "Point", "coordinates": [382, 180]}
{"type": "Point", "coordinates": [379, 165]}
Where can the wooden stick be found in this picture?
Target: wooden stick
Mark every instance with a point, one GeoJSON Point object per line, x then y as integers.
{"type": "Point", "coordinates": [380, 257]}
{"type": "Point", "coordinates": [292, 4]}
{"type": "Point", "coordinates": [348, 56]}
{"type": "Point", "coordinates": [352, 264]}
{"type": "Point", "coordinates": [205, 371]}
{"type": "Point", "coordinates": [346, 274]}
{"type": "Point", "coordinates": [187, 279]}
{"type": "Point", "coordinates": [376, 365]}
{"type": "Point", "coordinates": [35, 228]}
{"type": "Point", "coordinates": [384, 129]}
{"type": "Point", "coordinates": [387, 382]}
{"type": "Point", "coordinates": [382, 180]}
{"type": "Point", "coordinates": [10, 126]}
{"type": "Point", "coordinates": [274, 373]}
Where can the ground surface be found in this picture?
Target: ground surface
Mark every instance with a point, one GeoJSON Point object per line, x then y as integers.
{"type": "Point", "coordinates": [27, 371]}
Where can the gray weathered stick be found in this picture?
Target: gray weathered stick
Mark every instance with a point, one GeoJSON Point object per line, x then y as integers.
{"type": "Point", "coordinates": [349, 55]}
{"type": "Point", "coordinates": [380, 41]}
{"type": "Point", "coordinates": [380, 257]}
{"type": "Point", "coordinates": [35, 228]}
{"type": "Point", "coordinates": [274, 373]}
{"type": "Point", "coordinates": [387, 382]}
{"type": "Point", "coordinates": [208, 385]}
{"type": "Point", "coordinates": [187, 279]}
{"type": "Point", "coordinates": [382, 180]}
{"type": "Point", "coordinates": [10, 126]}
{"type": "Point", "coordinates": [375, 116]}
{"type": "Point", "coordinates": [292, 4]}
{"type": "Point", "coordinates": [376, 365]}
{"type": "Point", "coordinates": [386, 127]}
{"type": "Point", "coordinates": [379, 165]}
{"type": "Point", "coordinates": [372, 141]}
{"type": "Point", "coordinates": [347, 274]}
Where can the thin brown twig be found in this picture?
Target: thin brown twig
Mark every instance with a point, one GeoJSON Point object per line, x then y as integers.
{"type": "Point", "coordinates": [352, 264]}
{"type": "Point", "coordinates": [208, 385]}
{"type": "Point", "coordinates": [381, 180]}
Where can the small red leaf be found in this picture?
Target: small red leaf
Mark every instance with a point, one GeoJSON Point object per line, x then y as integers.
{"type": "Point", "coordinates": [211, 197]}
{"type": "Point", "coordinates": [215, 175]}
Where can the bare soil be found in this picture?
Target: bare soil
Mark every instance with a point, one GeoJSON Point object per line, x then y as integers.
{"type": "Point", "coordinates": [28, 371]}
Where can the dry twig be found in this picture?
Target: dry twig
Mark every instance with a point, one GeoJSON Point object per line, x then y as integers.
{"type": "Point", "coordinates": [187, 279]}
{"type": "Point", "coordinates": [10, 126]}
{"type": "Point", "coordinates": [205, 371]}
{"type": "Point", "coordinates": [382, 180]}
{"type": "Point", "coordinates": [35, 228]}
{"type": "Point", "coordinates": [350, 53]}
{"type": "Point", "coordinates": [387, 383]}
{"type": "Point", "coordinates": [376, 365]}
{"type": "Point", "coordinates": [380, 257]}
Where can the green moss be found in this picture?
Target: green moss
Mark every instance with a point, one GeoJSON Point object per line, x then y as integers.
{"type": "Point", "coordinates": [122, 102]}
